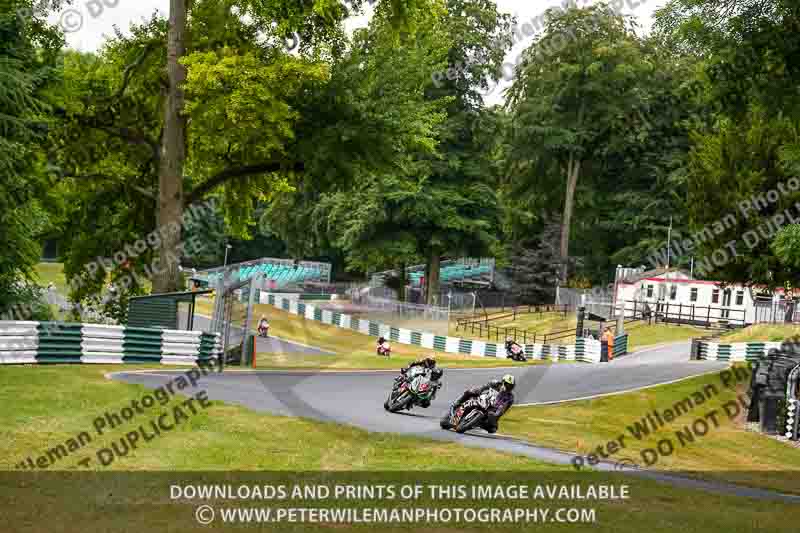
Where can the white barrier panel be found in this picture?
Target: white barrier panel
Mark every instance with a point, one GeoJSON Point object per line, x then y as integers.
{"type": "Point", "coordinates": [478, 348]}
{"type": "Point", "coordinates": [451, 345]}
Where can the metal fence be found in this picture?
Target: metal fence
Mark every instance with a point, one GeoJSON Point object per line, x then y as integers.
{"type": "Point", "coordinates": [483, 327]}
{"type": "Point", "coordinates": [775, 312]}
{"type": "Point", "coordinates": [680, 313]}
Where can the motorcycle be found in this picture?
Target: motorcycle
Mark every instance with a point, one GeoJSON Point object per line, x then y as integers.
{"type": "Point", "coordinates": [410, 391]}
{"type": "Point", "coordinates": [384, 350]}
{"type": "Point", "coordinates": [472, 413]}
{"type": "Point", "coordinates": [263, 331]}
{"type": "Point", "coordinates": [516, 355]}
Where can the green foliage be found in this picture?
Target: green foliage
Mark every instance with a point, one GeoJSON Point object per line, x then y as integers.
{"type": "Point", "coordinates": [748, 147]}
{"type": "Point", "coordinates": [27, 207]}
{"type": "Point", "coordinates": [786, 247]}
{"type": "Point", "coordinates": [586, 109]}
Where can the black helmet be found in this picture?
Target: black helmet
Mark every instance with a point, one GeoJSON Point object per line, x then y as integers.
{"type": "Point", "coordinates": [436, 374]}
{"type": "Point", "coordinates": [430, 362]}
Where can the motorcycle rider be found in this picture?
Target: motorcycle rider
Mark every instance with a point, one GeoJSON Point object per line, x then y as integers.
{"type": "Point", "coordinates": [383, 347]}
{"type": "Point", "coordinates": [512, 347]}
{"type": "Point", "coordinates": [263, 326]}
{"type": "Point", "coordinates": [504, 401]}
{"type": "Point", "coordinates": [426, 365]}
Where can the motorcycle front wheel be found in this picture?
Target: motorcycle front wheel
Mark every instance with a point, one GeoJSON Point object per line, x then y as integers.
{"type": "Point", "coordinates": [469, 421]}
{"type": "Point", "coordinates": [400, 402]}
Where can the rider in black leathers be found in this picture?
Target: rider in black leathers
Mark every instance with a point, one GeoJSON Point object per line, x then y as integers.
{"type": "Point", "coordinates": [503, 403]}
{"type": "Point", "coordinates": [512, 346]}
{"type": "Point", "coordinates": [429, 365]}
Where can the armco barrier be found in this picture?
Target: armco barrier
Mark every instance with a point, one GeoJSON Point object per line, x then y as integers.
{"type": "Point", "coordinates": [736, 351]}
{"type": "Point", "coordinates": [584, 350]}
{"type": "Point", "coordinates": [60, 342]}
{"type": "Point", "coordinates": [620, 345]}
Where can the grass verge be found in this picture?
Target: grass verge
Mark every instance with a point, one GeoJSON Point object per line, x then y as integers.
{"type": "Point", "coordinates": [763, 332]}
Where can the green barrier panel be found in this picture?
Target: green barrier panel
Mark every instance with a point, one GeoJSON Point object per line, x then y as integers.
{"type": "Point", "coordinates": [490, 350]}
{"type": "Point", "coordinates": [416, 338]}
{"type": "Point", "coordinates": [439, 342]}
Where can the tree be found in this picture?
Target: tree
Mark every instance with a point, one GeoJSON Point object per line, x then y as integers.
{"type": "Point", "coordinates": [432, 203]}
{"type": "Point", "coordinates": [250, 130]}
{"type": "Point", "coordinates": [173, 149]}
{"type": "Point", "coordinates": [27, 207]}
{"type": "Point", "coordinates": [536, 266]}
{"type": "Point", "coordinates": [748, 149]}
{"type": "Point", "coordinates": [786, 247]}
{"type": "Point", "coordinates": [574, 98]}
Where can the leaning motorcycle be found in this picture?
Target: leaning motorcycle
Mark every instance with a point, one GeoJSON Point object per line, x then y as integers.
{"type": "Point", "coordinates": [516, 356]}
{"type": "Point", "coordinates": [472, 413]}
{"type": "Point", "coordinates": [410, 391]}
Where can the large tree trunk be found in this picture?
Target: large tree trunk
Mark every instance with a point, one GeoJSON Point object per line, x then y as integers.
{"type": "Point", "coordinates": [173, 155]}
{"type": "Point", "coordinates": [573, 170]}
{"type": "Point", "coordinates": [432, 279]}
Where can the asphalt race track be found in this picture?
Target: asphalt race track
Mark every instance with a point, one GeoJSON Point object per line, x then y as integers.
{"type": "Point", "coordinates": [356, 398]}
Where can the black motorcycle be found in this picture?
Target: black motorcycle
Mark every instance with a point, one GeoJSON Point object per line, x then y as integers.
{"type": "Point", "coordinates": [472, 413]}
{"type": "Point", "coordinates": [418, 389]}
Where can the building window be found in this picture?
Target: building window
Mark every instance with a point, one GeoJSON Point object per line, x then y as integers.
{"type": "Point", "coordinates": [739, 297]}
{"type": "Point", "coordinates": [693, 295]}
{"type": "Point", "coordinates": [715, 296]}
{"type": "Point", "coordinates": [649, 291]}
{"type": "Point", "coordinates": [673, 292]}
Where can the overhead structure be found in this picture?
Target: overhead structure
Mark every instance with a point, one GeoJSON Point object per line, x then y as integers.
{"type": "Point", "coordinates": [276, 273]}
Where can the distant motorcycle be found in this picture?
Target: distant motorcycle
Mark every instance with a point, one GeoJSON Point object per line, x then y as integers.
{"type": "Point", "coordinates": [472, 413]}
{"type": "Point", "coordinates": [515, 352]}
{"type": "Point", "coordinates": [384, 349]}
{"type": "Point", "coordinates": [418, 389]}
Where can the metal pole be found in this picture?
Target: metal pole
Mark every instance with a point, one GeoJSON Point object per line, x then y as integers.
{"type": "Point", "coordinates": [669, 240]}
